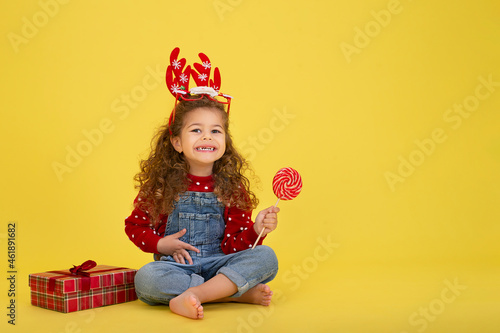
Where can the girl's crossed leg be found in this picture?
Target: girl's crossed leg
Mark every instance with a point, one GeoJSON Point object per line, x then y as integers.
{"type": "Point", "coordinates": [238, 277]}
{"type": "Point", "coordinates": [217, 289]}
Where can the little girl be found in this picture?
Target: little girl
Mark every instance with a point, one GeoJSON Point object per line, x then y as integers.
{"type": "Point", "coordinates": [193, 211]}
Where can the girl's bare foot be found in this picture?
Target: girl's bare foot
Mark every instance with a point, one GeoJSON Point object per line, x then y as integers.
{"type": "Point", "coordinates": [260, 294]}
{"type": "Point", "coordinates": [188, 305]}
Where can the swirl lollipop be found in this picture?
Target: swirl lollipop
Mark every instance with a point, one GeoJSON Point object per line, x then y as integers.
{"type": "Point", "coordinates": [287, 184]}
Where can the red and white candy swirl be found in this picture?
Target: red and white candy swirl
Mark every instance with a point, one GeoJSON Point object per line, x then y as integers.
{"type": "Point", "coordinates": [287, 184]}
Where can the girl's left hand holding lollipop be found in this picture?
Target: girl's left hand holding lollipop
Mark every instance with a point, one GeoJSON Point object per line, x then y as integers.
{"type": "Point", "coordinates": [266, 221]}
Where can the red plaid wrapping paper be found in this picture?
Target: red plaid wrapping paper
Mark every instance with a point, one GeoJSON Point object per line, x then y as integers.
{"type": "Point", "coordinates": [108, 285]}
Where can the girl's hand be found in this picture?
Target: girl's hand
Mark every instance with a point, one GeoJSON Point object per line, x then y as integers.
{"type": "Point", "coordinates": [267, 219]}
{"type": "Point", "coordinates": [172, 246]}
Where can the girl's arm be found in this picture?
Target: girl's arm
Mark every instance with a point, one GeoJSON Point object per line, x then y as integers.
{"type": "Point", "coordinates": [241, 232]}
{"type": "Point", "coordinates": [141, 232]}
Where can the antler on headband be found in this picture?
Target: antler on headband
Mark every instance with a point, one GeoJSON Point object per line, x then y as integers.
{"type": "Point", "coordinates": [202, 76]}
{"type": "Point", "coordinates": [177, 77]}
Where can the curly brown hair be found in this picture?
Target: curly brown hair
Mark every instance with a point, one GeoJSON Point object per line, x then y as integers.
{"type": "Point", "coordinates": [163, 174]}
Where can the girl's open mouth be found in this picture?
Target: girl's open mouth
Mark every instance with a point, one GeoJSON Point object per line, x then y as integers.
{"type": "Point", "coordinates": [205, 148]}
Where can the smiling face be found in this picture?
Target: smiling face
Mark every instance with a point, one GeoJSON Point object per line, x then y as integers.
{"type": "Point", "coordinates": [202, 140]}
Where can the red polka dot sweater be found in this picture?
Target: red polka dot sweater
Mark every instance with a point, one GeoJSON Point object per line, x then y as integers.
{"type": "Point", "coordinates": [239, 233]}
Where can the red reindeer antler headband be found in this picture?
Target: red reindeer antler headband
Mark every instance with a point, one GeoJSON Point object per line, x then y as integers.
{"type": "Point", "coordinates": [177, 79]}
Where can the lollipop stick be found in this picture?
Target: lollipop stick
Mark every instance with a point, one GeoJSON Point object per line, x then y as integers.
{"type": "Point", "coordinates": [262, 231]}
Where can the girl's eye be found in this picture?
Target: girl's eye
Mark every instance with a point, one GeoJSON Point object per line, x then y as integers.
{"type": "Point", "coordinates": [216, 131]}
{"type": "Point", "coordinates": [196, 130]}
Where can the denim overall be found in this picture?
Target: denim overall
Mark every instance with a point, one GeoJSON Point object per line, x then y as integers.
{"type": "Point", "coordinates": [202, 215]}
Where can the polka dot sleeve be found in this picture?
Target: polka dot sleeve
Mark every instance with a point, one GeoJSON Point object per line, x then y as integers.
{"type": "Point", "coordinates": [239, 234]}
{"type": "Point", "coordinates": [141, 232]}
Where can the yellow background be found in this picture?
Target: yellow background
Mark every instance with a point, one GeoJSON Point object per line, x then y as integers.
{"type": "Point", "coordinates": [339, 90]}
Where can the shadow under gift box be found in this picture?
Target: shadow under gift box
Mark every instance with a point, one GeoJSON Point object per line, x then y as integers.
{"type": "Point", "coordinates": [65, 292]}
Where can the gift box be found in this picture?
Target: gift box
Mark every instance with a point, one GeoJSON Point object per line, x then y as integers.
{"type": "Point", "coordinates": [82, 287]}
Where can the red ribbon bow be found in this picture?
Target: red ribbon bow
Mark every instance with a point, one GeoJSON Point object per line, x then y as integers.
{"type": "Point", "coordinates": [76, 270]}
{"type": "Point", "coordinates": [80, 270]}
